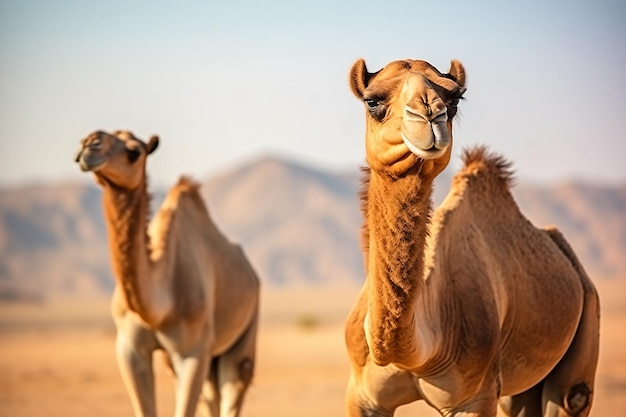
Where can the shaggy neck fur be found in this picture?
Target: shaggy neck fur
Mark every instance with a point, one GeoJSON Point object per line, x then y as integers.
{"type": "Point", "coordinates": [397, 213]}
{"type": "Point", "coordinates": [126, 213]}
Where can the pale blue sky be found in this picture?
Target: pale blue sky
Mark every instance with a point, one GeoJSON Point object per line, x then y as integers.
{"type": "Point", "coordinates": [222, 82]}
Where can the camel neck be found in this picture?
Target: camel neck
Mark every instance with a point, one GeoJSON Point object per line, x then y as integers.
{"type": "Point", "coordinates": [126, 213]}
{"type": "Point", "coordinates": [398, 213]}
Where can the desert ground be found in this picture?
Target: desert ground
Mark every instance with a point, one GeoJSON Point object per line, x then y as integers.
{"type": "Point", "coordinates": [57, 359]}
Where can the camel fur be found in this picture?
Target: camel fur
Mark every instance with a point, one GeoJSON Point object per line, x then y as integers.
{"type": "Point", "coordinates": [181, 286]}
{"type": "Point", "coordinates": [470, 308]}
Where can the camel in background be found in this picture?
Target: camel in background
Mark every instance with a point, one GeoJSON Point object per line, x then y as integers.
{"type": "Point", "coordinates": [475, 307]}
{"type": "Point", "coordinates": [182, 287]}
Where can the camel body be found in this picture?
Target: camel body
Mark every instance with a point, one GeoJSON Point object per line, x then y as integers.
{"type": "Point", "coordinates": [181, 286]}
{"type": "Point", "coordinates": [469, 307]}
{"type": "Point", "coordinates": [210, 319]}
{"type": "Point", "coordinates": [504, 307]}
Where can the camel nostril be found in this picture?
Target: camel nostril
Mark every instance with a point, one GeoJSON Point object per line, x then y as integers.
{"type": "Point", "coordinates": [414, 115]}
{"type": "Point", "coordinates": [441, 117]}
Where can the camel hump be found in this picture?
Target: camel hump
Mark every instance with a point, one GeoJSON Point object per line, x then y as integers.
{"type": "Point", "coordinates": [183, 196]}
{"type": "Point", "coordinates": [480, 162]}
{"type": "Point", "coordinates": [185, 187]}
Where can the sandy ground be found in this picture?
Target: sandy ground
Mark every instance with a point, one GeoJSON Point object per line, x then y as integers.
{"type": "Point", "coordinates": [56, 359]}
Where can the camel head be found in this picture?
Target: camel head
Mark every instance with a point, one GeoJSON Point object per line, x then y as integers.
{"type": "Point", "coordinates": [409, 110]}
{"type": "Point", "coordinates": [118, 158]}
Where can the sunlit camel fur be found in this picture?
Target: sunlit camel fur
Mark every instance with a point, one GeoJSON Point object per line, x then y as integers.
{"type": "Point", "coordinates": [182, 287]}
{"type": "Point", "coordinates": [474, 305]}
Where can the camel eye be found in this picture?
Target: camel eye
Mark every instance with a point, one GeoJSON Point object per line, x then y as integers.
{"type": "Point", "coordinates": [376, 107]}
{"type": "Point", "coordinates": [453, 104]}
{"type": "Point", "coordinates": [95, 144]}
{"type": "Point", "coordinates": [133, 155]}
{"type": "Point", "coordinates": [372, 103]}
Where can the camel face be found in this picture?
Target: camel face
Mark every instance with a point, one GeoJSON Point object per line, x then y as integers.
{"type": "Point", "coordinates": [119, 157]}
{"type": "Point", "coordinates": [409, 110]}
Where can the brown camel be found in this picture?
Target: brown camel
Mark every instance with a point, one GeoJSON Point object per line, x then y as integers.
{"type": "Point", "coordinates": [182, 287]}
{"type": "Point", "coordinates": [472, 309]}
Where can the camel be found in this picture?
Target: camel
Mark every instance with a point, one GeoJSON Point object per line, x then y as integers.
{"type": "Point", "coordinates": [470, 308]}
{"type": "Point", "coordinates": [181, 286]}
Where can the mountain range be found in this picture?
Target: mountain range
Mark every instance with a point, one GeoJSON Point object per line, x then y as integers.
{"type": "Point", "coordinates": [298, 224]}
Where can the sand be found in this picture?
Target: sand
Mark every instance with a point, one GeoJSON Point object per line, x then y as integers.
{"type": "Point", "coordinates": [57, 358]}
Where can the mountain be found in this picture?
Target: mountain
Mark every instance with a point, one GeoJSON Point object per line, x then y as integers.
{"type": "Point", "coordinates": [52, 241]}
{"type": "Point", "coordinates": [299, 226]}
{"type": "Point", "coordinates": [592, 218]}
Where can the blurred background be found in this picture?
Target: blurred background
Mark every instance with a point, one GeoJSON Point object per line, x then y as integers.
{"type": "Point", "coordinates": [251, 99]}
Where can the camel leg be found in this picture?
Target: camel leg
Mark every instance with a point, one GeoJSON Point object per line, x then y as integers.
{"type": "Point", "coordinates": [191, 371]}
{"type": "Point", "coordinates": [379, 390]}
{"type": "Point", "coordinates": [358, 406]}
{"type": "Point", "coordinates": [568, 389]}
{"type": "Point", "coordinates": [484, 404]}
{"type": "Point", "coordinates": [525, 404]}
{"type": "Point", "coordinates": [209, 404]}
{"type": "Point", "coordinates": [135, 363]}
{"type": "Point", "coordinates": [235, 369]}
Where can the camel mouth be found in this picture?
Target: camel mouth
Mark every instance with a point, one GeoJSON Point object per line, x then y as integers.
{"type": "Point", "coordinates": [433, 152]}
{"type": "Point", "coordinates": [427, 138]}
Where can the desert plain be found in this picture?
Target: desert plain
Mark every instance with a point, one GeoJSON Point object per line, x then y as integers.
{"type": "Point", "coordinates": [57, 358]}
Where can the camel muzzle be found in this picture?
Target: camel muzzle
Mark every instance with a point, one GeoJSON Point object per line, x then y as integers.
{"type": "Point", "coordinates": [88, 161]}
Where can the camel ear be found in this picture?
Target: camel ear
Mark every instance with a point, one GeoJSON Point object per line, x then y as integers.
{"type": "Point", "coordinates": [153, 143]}
{"type": "Point", "coordinates": [359, 78]}
{"type": "Point", "coordinates": [457, 73]}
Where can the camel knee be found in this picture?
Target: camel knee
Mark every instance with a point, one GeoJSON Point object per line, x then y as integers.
{"type": "Point", "coordinates": [578, 399]}
{"type": "Point", "coordinates": [572, 402]}
{"type": "Point", "coordinates": [357, 405]}
{"type": "Point", "coordinates": [357, 409]}
{"type": "Point", "coordinates": [246, 371]}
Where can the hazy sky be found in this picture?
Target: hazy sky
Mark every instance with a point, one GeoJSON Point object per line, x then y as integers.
{"type": "Point", "coordinates": [222, 82]}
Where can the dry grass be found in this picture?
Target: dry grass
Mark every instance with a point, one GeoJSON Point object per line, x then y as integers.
{"type": "Point", "coordinates": [57, 359]}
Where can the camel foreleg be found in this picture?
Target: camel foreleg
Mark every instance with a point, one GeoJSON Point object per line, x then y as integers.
{"type": "Point", "coordinates": [209, 403]}
{"type": "Point", "coordinates": [135, 364]}
{"type": "Point", "coordinates": [235, 369]}
{"type": "Point", "coordinates": [191, 371]}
